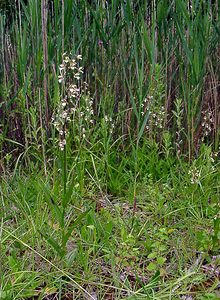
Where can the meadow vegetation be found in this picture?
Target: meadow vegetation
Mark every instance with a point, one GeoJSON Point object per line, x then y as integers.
{"type": "Point", "coordinates": [109, 150]}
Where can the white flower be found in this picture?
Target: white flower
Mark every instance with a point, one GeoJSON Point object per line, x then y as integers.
{"type": "Point", "coordinates": [60, 78]}
{"type": "Point", "coordinates": [71, 90]}
{"type": "Point", "coordinates": [73, 64]}
{"type": "Point", "coordinates": [66, 59]}
{"type": "Point", "coordinates": [80, 70]}
{"type": "Point", "coordinates": [64, 115]}
{"type": "Point", "coordinates": [61, 145]}
{"type": "Point", "coordinates": [62, 67]}
{"type": "Point", "coordinates": [77, 76]}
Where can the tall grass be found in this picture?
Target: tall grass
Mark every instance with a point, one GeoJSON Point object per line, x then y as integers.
{"type": "Point", "coordinates": [130, 50]}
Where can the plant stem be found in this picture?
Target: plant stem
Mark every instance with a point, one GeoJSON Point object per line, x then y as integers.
{"type": "Point", "coordinates": [64, 176]}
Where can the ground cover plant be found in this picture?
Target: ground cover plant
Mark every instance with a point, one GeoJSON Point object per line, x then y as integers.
{"type": "Point", "coordinates": [109, 150]}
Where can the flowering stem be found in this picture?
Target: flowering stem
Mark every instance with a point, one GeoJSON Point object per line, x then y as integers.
{"type": "Point", "coordinates": [64, 176]}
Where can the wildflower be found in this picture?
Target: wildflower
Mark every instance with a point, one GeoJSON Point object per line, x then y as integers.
{"type": "Point", "coordinates": [80, 70]}
{"type": "Point", "coordinates": [66, 59]}
{"type": "Point", "coordinates": [74, 99]}
{"type": "Point", "coordinates": [77, 76]}
{"type": "Point", "coordinates": [73, 64]}
{"type": "Point", "coordinates": [63, 103]}
{"type": "Point", "coordinates": [61, 145]}
{"type": "Point", "coordinates": [62, 67]}
{"type": "Point", "coordinates": [64, 115]}
{"type": "Point", "coordinates": [56, 124]}
{"type": "Point", "coordinates": [195, 175]}
{"type": "Point", "coordinates": [71, 89]}
{"type": "Point", "coordinates": [60, 78]}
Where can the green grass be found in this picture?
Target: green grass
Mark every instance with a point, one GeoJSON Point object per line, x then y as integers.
{"type": "Point", "coordinates": [130, 208]}
{"type": "Point", "coordinates": [161, 249]}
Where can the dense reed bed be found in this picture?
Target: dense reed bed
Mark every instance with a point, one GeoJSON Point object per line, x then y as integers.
{"type": "Point", "coordinates": [138, 56]}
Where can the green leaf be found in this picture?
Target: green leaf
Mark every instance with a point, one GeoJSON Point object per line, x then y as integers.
{"type": "Point", "coordinates": [73, 225]}
{"type": "Point", "coordinates": [152, 255]}
{"type": "Point", "coordinates": [54, 244]}
{"type": "Point", "coordinates": [108, 228]}
{"type": "Point", "coordinates": [70, 257]}
{"type": "Point", "coordinates": [147, 41]}
{"type": "Point", "coordinates": [58, 213]}
{"type": "Point", "coordinates": [152, 266]}
{"type": "Point", "coordinates": [140, 133]}
{"type": "Point", "coordinates": [161, 260]}
{"type": "Point", "coordinates": [69, 192]}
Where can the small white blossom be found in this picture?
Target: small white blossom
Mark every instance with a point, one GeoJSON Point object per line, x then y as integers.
{"type": "Point", "coordinates": [60, 78]}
